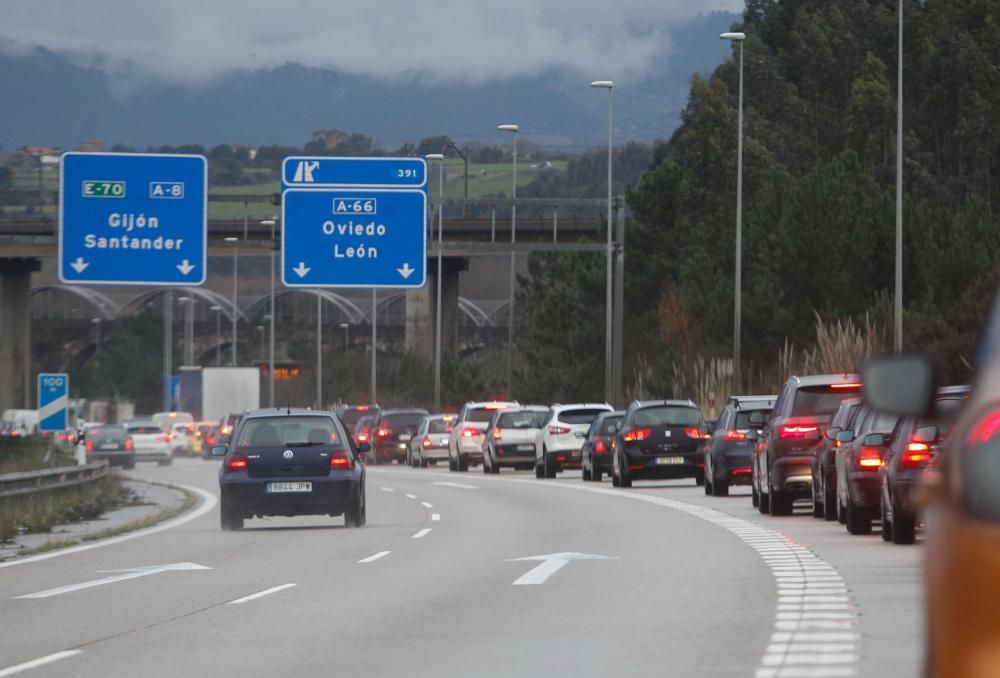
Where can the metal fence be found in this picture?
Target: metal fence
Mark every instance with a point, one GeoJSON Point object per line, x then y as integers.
{"type": "Point", "coordinates": [30, 482]}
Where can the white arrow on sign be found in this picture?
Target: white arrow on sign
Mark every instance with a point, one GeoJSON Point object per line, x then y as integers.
{"type": "Point", "coordinates": [550, 564]}
{"type": "Point", "coordinates": [406, 271]}
{"type": "Point", "coordinates": [79, 265]}
{"type": "Point", "coordinates": [131, 573]}
{"type": "Point", "coordinates": [185, 267]}
{"type": "Point", "coordinates": [302, 269]}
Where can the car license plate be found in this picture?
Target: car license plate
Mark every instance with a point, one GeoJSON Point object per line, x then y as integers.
{"type": "Point", "coordinates": [525, 448]}
{"type": "Point", "coordinates": [444, 441]}
{"type": "Point", "coordinates": [575, 454]}
{"type": "Point", "coordinates": [109, 446]}
{"type": "Point", "coordinates": [284, 488]}
{"type": "Point", "coordinates": [580, 434]}
{"type": "Point", "coordinates": [669, 460]}
{"type": "Point", "coordinates": [405, 437]}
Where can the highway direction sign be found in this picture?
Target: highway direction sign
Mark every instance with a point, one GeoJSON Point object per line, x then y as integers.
{"type": "Point", "coordinates": [325, 172]}
{"type": "Point", "coordinates": [353, 237]}
{"type": "Point", "coordinates": [133, 219]}
{"type": "Point", "coordinates": [53, 401]}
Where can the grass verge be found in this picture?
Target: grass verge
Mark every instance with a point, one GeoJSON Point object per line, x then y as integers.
{"type": "Point", "coordinates": [40, 511]}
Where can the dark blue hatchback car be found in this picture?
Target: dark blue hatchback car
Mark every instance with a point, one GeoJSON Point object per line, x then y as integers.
{"type": "Point", "coordinates": [290, 463]}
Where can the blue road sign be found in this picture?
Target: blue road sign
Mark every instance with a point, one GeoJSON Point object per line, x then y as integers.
{"type": "Point", "coordinates": [53, 401]}
{"type": "Point", "coordinates": [352, 237]}
{"type": "Point", "coordinates": [321, 172]}
{"type": "Point", "coordinates": [133, 219]}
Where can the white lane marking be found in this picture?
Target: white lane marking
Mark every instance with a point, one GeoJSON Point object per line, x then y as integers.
{"type": "Point", "coordinates": [422, 533]}
{"type": "Point", "coordinates": [35, 663]}
{"type": "Point", "coordinates": [435, 517]}
{"type": "Point", "coordinates": [208, 503]}
{"type": "Point", "coordinates": [260, 594]}
{"type": "Point", "coordinates": [132, 573]}
{"type": "Point", "coordinates": [373, 558]}
{"type": "Point", "coordinates": [550, 564]}
{"type": "Point", "coordinates": [411, 496]}
{"type": "Point", "coordinates": [460, 486]}
{"type": "Point", "coordinates": [426, 504]}
{"type": "Point", "coordinates": [387, 489]}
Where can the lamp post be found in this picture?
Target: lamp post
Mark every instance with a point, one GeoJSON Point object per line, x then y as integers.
{"type": "Point", "coordinates": [437, 302]}
{"type": "Point", "coordinates": [168, 347]}
{"type": "Point", "coordinates": [465, 158]}
{"type": "Point", "coordinates": [232, 240]}
{"type": "Point", "coordinates": [319, 349]}
{"type": "Point", "coordinates": [608, 397]}
{"type": "Point", "coordinates": [898, 334]}
{"type": "Point", "coordinates": [218, 333]}
{"type": "Point", "coordinates": [272, 222]}
{"type": "Point", "coordinates": [738, 301]}
{"type": "Point", "coordinates": [347, 337]}
{"type": "Point", "coordinates": [188, 303]}
{"type": "Point", "coordinates": [513, 129]}
{"type": "Point", "coordinates": [97, 340]}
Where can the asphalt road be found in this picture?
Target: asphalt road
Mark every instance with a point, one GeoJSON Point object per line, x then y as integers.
{"type": "Point", "coordinates": [689, 586]}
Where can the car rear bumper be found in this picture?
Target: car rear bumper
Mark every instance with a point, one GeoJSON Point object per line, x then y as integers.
{"type": "Point", "coordinates": [434, 453]}
{"type": "Point", "coordinates": [647, 466]}
{"type": "Point", "coordinates": [114, 458]}
{"type": "Point", "coordinates": [865, 488]}
{"type": "Point", "coordinates": [249, 496]}
{"type": "Point", "coordinates": [152, 453]}
{"type": "Point", "coordinates": [792, 475]}
{"type": "Point", "coordinates": [564, 459]}
{"type": "Point", "coordinates": [602, 461]}
{"type": "Point", "coordinates": [393, 450]}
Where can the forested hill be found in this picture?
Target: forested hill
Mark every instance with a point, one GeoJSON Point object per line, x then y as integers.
{"type": "Point", "coordinates": [819, 190]}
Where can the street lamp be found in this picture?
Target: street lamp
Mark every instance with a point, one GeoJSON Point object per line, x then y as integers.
{"type": "Point", "coordinates": [218, 333]}
{"type": "Point", "coordinates": [898, 339]}
{"type": "Point", "coordinates": [437, 304]}
{"type": "Point", "coordinates": [347, 339]}
{"type": "Point", "coordinates": [319, 349]}
{"type": "Point", "coordinates": [97, 342]}
{"type": "Point", "coordinates": [737, 324]}
{"type": "Point", "coordinates": [608, 85]}
{"type": "Point", "coordinates": [272, 222]}
{"type": "Point", "coordinates": [232, 240]}
{"type": "Point", "coordinates": [513, 129]}
{"type": "Point", "coordinates": [465, 159]}
{"type": "Point", "coordinates": [188, 302]}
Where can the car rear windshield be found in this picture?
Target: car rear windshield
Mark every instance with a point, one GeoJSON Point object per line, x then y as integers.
{"type": "Point", "coordinates": [145, 428]}
{"type": "Point", "coordinates": [289, 431]}
{"type": "Point", "coordinates": [108, 432]}
{"type": "Point", "coordinates": [821, 400]}
{"type": "Point", "coordinates": [400, 423]}
{"type": "Point", "coordinates": [611, 425]}
{"type": "Point", "coordinates": [521, 420]}
{"type": "Point", "coordinates": [440, 425]}
{"type": "Point", "coordinates": [351, 416]}
{"type": "Point", "coordinates": [743, 417]}
{"type": "Point", "coordinates": [482, 415]}
{"type": "Point", "coordinates": [581, 416]}
{"type": "Point", "coordinates": [884, 423]}
{"type": "Point", "coordinates": [667, 415]}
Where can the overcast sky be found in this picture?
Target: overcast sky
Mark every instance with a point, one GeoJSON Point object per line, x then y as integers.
{"type": "Point", "coordinates": [473, 40]}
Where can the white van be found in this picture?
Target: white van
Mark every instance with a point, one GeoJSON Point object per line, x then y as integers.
{"type": "Point", "coordinates": [19, 422]}
{"type": "Point", "coordinates": [166, 420]}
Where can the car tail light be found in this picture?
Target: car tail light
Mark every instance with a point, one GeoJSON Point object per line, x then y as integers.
{"type": "Point", "coordinates": [796, 431]}
{"type": "Point", "coordinates": [470, 432]}
{"type": "Point", "coordinates": [164, 437]}
{"type": "Point", "coordinates": [361, 408]}
{"type": "Point", "coordinates": [129, 445]}
{"type": "Point", "coordinates": [237, 462]}
{"type": "Point", "coordinates": [599, 445]}
{"type": "Point", "coordinates": [426, 441]}
{"type": "Point", "coordinates": [89, 446]}
{"type": "Point", "coordinates": [560, 459]}
{"type": "Point", "coordinates": [497, 433]}
{"type": "Point", "coordinates": [341, 461]}
{"type": "Point", "coordinates": [741, 471]}
{"type": "Point", "coordinates": [869, 459]}
{"type": "Point", "coordinates": [384, 433]}
{"type": "Point", "coordinates": [734, 436]}
{"type": "Point", "coordinates": [846, 386]}
{"type": "Point", "coordinates": [210, 440]}
{"type": "Point", "coordinates": [917, 455]}
{"type": "Point", "coordinates": [693, 432]}
{"type": "Point", "coordinates": [362, 438]}
{"type": "Point", "coordinates": [637, 435]}
{"type": "Point", "coordinates": [559, 430]}
{"type": "Point", "coordinates": [14, 434]}
{"type": "Point", "coordinates": [226, 430]}
{"type": "Point", "coordinates": [449, 429]}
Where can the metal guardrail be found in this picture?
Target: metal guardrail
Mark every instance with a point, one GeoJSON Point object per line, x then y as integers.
{"type": "Point", "coordinates": [30, 482]}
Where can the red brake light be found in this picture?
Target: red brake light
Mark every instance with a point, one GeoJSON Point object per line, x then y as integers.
{"type": "Point", "coordinates": [693, 432]}
{"type": "Point", "coordinates": [384, 433]}
{"type": "Point", "coordinates": [470, 432]}
{"type": "Point", "coordinates": [129, 445]}
{"type": "Point", "coordinates": [917, 455]}
{"type": "Point", "coordinates": [599, 445]}
{"type": "Point", "coordinates": [89, 445]}
{"type": "Point", "coordinates": [426, 441]}
{"type": "Point", "coordinates": [846, 386]}
{"type": "Point", "coordinates": [637, 435]}
{"type": "Point", "coordinates": [164, 437]}
{"type": "Point", "coordinates": [340, 461]}
{"type": "Point", "coordinates": [210, 440]}
{"type": "Point", "coordinates": [735, 436]}
{"type": "Point", "coordinates": [795, 431]}
{"type": "Point", "coordinates": [559, 430]}
{"type": "Point", "coordinates": [869, 459]}
{"type": "Point", "coordinates": [497, 433]}
{"type": "Point", "coordinates": [361, 408]}
{"type": "Point", "coordinates": [237, 462]}
{"type": "Point", "coordinates": [449, 429]}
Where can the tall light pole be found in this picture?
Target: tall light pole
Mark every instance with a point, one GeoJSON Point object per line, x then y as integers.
{"type": "Point", "coordinates": [608, 397]}
{"type": "Point", "coordinates": [319, 349]}
{"type": "Point", "coordinates": [898, 335]}
{"type": "Point", "coordinates": [236, 289]}
{"type": "Point", "coordinates": [97, 340]}
{"type": "Point", "coordinates": [437, 302]}
{"type": "Point", "coordinates": [347, 337]}
{"type": "Point", "coordinates": [513, 129]}
{"type": "Point", "coordinates": [738, 38]}
{"type": "Point", "coordinates": [168, 347]}
{"type": "Point", "coordinates": [272, 222]}
{"type": "Point", "coordinates": [218, 333]}
{"type": "Point", "coordinates": [188, 303]}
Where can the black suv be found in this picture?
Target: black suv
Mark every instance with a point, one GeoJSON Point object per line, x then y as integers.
{"type": "Point", "coordinates": [391, 433]}
{"type": "Point", "coordinates": [659, 439]}
{"type": "Point", "coordinates": [824, 464]}
{"type": "Point", "coordinates": [782, 460]}
{"type": "Point", "coordinates": [728, 452]}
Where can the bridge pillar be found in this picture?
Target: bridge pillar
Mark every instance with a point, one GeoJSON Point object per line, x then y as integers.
{"type": "Point", "coordinates": [15, 332]}
{"type": "Point", "coordinates": [420, 309]}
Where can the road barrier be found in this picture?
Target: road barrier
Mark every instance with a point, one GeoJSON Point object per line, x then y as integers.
{"type": "Point", "coordinates": [45, 480]}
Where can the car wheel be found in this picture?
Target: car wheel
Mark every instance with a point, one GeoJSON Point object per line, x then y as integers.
{"type": "Point", "coordinates": [817, 500]}
{"type": "Point", "coordinates": [708, 486]}
{"type": "Point", "coordinates": [229, 519]}
{"type": "Point", "coordinates": [904, 526]}
{"type": "Point", "coordinates": [451, 464]}
{"type": "Point", "coordinates": [859, 521]}
{"type": "Point", "coordinates": [699, 479]}
{"type": "Point", "coordinates": [829, 501]}
{"type": "Point", "coordinates": [841, 513]}
{"type": "Point", "coordinates": [754, 497]}
{"type": "Point", "coordinates": [462, 465]}
{"type": "Point", "coordinates": [781, 503]}
{"type": "Point", "coordinates": [763, 502]}
{"type": "Point", "coordinates": [356, 513]}
{"type": "Point", "coordinates": [624, 479]}
{"type": "Point", "coordinates": [886, 523]}
{"type": "Point", "coordinates": [595, 474]}
{"type": "Point", "coordinates": [423, 462]}
{"type": "Point", "coordinates": [585, 473]}
{"type": "Point", "coordinates": [720, 488]}
{"type": "Point", "coordinates": [539, 471]}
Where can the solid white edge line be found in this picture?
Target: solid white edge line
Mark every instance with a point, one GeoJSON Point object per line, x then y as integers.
{"type": "Point", "coordinates": [35, 663]}
{"type": "Point", "coordinates": [422, 533]}
{"type": "Point", "coordinates": [260, 594]}
{"type": "Point", "coordinates": [208, 503]}
{"type": "Point", "coordinates": [373, 558]}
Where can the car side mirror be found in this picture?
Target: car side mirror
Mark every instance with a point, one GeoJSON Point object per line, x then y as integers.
{"type": "Point", "coordinates": [845, 436]}
{"type": "Point", "coordinates": [752, 435]}
{"type": "Point", "coordinates": [874, 440]}
{"type": "Point", "coordinates": [901, 384]}
{"type": "Point", "coordinates": [364, 447]}
{"type": "Point", "coordinates": [831, 433]}
{"type": "Point", "coordinates": [219, 451]}
{"type": "Point", "coordinates": [926, 434]}
{"type": "Point", "coordinates": [756, 419]}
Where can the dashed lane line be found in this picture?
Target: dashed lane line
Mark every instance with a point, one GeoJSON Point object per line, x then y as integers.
{"type": "Point", "coordinates": [461, 486]}
{"type": "Point", "coordinates": [35, 663]}
{"type": "Point", "coordinates": [387, 489]}
{"type": "Point", "coordinates": [422, 533]}
{"type": "Point", "coordinates": [260, 594]}
{"type": "Point", "coordinates": [426, 504]}
{"type": "Point", "coordinates": [411, 496]}
{"type": "Point", "coordinates": [373, 558]}
{"type": "Point", "coordinates": [435, 517]}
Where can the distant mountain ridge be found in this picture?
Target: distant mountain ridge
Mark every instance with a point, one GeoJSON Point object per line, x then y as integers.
{"type": "Point", "coordinates": [51, 99]}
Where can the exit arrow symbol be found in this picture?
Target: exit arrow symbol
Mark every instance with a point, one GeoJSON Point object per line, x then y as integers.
{"type": "Point", "coordinates": [302, 269]}
{"type": "Point", "coordinates": [550, 564]}
{"type": "Point", "coordinates": [79, 265]}
{"type": "Point", "coordinates": [131, 573]}
{"type": "Point", "coordinates": [406, 270]}
{"type": "Point", "coordinates": [185, 267]}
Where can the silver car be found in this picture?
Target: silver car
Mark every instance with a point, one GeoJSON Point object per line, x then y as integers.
{"type": "Point", "coordinates": [151, 442]}
{"type": "Point", "coordinates": [430, 444]}
{"type": "Point", "coordinates": [510, 438]}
